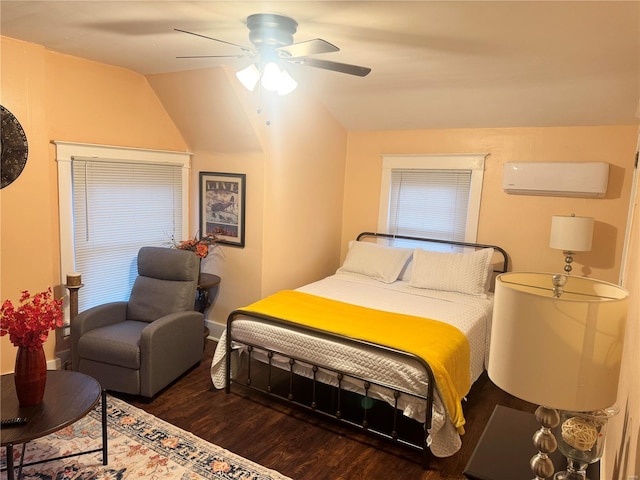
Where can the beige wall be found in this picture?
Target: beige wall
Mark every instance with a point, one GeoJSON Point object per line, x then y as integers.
{"type": "Point", "coordinates": [239, 268]}
{"type": "Point", "coordinates": [27, 206]}
{"type": "Point", "coordinates": [304, 182]}
{"type": "Point", "coordinates": [57, 97]}
{"type": "Point", "coordinates": [518, 223]}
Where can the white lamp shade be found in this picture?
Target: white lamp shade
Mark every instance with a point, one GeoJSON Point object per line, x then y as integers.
{"type": "Point", "coordinates": [562, 353]}
{"type": "Point", "coordinates": [249, 77]}
{"type": "Point", "coordinates": [571, 233]}
{"type": "Point", "coordinates": [287, 83]}
{"type": "Point", "coordinates": [271, 76]}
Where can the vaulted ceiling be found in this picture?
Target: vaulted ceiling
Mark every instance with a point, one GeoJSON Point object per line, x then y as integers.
{"type": "Point", "coordinates": [435, 64]}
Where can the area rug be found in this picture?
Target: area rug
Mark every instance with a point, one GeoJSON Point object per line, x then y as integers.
{"type": "Point", "coordinates": [140, 447]}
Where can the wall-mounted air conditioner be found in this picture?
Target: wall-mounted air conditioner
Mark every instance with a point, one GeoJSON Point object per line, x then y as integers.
{"type": "Point", "coordinates": [557, 179]}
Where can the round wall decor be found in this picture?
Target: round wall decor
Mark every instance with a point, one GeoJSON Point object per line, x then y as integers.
{"type": "Point", "coordinates": [14, 148]}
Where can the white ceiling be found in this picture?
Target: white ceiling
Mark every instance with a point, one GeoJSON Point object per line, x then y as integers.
{"type": "Point", "coordinates": [447, 64]}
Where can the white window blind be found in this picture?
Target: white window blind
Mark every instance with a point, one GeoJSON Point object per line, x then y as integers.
{"type": "Point", "coordinates": [119, 207]}
{"type": "Point", "coordinates": [429, 203]}
{"type": "Point", "coordinates": [434, 196]}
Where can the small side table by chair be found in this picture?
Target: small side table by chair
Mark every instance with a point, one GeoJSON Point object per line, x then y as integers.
{"type": "Point", "coordinates": [206, 282]}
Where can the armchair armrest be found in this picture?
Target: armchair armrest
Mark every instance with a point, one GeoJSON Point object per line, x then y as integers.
{"type": "Point", "coordinates": [98, 316]}
{"type": "Point", "coordinates": [168, 347]}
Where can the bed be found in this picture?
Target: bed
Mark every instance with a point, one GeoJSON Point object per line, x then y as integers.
{"type": "Point", "coordinates": [339, 346]}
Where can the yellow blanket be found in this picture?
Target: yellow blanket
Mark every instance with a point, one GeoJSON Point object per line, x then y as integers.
{"type": "Point", "coordinates": [442, 346]}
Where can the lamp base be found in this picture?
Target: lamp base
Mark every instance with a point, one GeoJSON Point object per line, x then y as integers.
{"type": "Point", "coordinates": [545, 442]}
{"type": "Point", "coordinates": [581, 439]}
{"type": "Point", "coordinates": [571, 473]}
{"type": "Point", "coordinates": [568, 260]}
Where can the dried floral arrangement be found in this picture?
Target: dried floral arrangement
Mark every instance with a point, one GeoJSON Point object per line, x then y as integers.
{"type": "Point", "coordinates": [199, 246]}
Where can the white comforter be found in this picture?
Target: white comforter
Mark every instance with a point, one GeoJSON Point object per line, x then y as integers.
{"type": "Point", "coordinates": [471, 315]}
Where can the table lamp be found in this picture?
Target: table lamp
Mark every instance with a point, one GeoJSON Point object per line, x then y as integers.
{"type": "Point", "coordinates": [556, 341]}
{"type": "Point", "coordinates": [571, 234]}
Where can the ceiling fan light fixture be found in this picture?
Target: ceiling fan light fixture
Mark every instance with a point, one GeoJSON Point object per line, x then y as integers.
{"type": "Point", "coordinates": [273, 47]}
{"type": "Point", "coordinates": [249, 77]}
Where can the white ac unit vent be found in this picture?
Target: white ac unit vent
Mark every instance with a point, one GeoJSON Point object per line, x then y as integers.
{"type": "Point", "coordinates": [556, 179]}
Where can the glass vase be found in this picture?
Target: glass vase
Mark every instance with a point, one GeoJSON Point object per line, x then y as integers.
{"type": "Point", "coordinates": [30, 375]}
{"type": "Point", "coordinates": [580, 438]}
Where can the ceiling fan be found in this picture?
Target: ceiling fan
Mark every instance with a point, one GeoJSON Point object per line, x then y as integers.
{"type": "Point", "coordinates": [273, 47]}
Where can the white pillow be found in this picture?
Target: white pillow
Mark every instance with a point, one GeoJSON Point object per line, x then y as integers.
{"type": "Point", "coordinates": [375, 261]}
{"type": "Point", "coordinates": [468, 273]}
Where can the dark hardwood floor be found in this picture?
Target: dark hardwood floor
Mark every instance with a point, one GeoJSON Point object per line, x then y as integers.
{"type": "Point", "coordinates": [300, 445]}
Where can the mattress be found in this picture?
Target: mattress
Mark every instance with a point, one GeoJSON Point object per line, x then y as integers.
{"type": "Point", "coordinates": [470, 314]}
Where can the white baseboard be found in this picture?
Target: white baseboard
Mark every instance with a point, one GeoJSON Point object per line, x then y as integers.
{"type": "Point", "coordinates": [63, 359]}
{"type": "Point", "coordinates": [215, 330]}
{"type": "Point", "coordinates": [55, 364]}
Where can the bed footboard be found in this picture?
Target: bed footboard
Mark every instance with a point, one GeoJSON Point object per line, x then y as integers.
{"type": "Point", "coordinates": [330, 392]}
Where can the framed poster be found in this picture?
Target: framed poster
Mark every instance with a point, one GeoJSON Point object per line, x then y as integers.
{"type": "Point", "coordinates": [222, 197]}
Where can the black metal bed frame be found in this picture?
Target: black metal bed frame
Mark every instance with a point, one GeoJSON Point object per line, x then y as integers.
{"type": "Point", "coordinates": [312, 404]}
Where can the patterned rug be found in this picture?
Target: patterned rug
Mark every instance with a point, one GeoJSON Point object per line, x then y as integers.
{"type": "Point", "coordinates": [140, 447]}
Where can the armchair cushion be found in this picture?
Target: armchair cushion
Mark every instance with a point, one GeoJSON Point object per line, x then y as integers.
{"type": "Point", "coordinates": [165, 286]}
{"type": "Point", "coordinates": [117, 344]}
{"type": "Point", "coordinates": [95, 317]}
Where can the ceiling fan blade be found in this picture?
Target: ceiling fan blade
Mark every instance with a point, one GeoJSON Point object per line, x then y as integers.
{"type": "Point", "coordinates": [309, 47]}
{"type": "Point", "coordinates": [244, 49]}
{"type": "Point", "coordinates": [213, 56]}
{"type": "Point", "coordinates": [334, 66]}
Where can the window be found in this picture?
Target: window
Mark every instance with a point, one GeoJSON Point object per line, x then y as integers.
{"type": "Point", "coordinates": [433, 196]}
{"type": "Point", "coordinates": [112, 202]}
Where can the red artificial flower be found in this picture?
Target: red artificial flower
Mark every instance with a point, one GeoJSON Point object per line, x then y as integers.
{"type": "Point", "coordinates": [29, 324]}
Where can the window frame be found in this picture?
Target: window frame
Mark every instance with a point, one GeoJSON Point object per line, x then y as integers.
{"type": "Point", "coordinates": [462, 161]}
{"type": "Point", "coordinates": [67, 151]}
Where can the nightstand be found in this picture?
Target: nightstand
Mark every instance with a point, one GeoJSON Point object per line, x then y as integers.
{"type": "Point", "coordinates": [505, 448]}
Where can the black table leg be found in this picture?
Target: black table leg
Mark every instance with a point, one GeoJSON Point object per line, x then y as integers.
{"type": "Point", "coordinates": [10, 467]}
{"type": "Point", "coordinates": [24, 449]}
{"type": "Point", "coordinates": [105, 457]}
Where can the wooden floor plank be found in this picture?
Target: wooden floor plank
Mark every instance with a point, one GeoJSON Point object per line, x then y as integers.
{"type": "Point", "coordinates": [299, 444]}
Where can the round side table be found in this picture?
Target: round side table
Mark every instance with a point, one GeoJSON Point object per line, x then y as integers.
{"type": "Point", "coordinates": [68, 397]}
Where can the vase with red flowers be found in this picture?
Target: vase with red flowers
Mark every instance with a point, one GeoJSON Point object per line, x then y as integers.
{"type": "Point", "coordinates": [28, 325]}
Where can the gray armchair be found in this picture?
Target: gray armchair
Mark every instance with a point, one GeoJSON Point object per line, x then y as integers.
{"type": "Point", "coordinates": [140, 346]}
